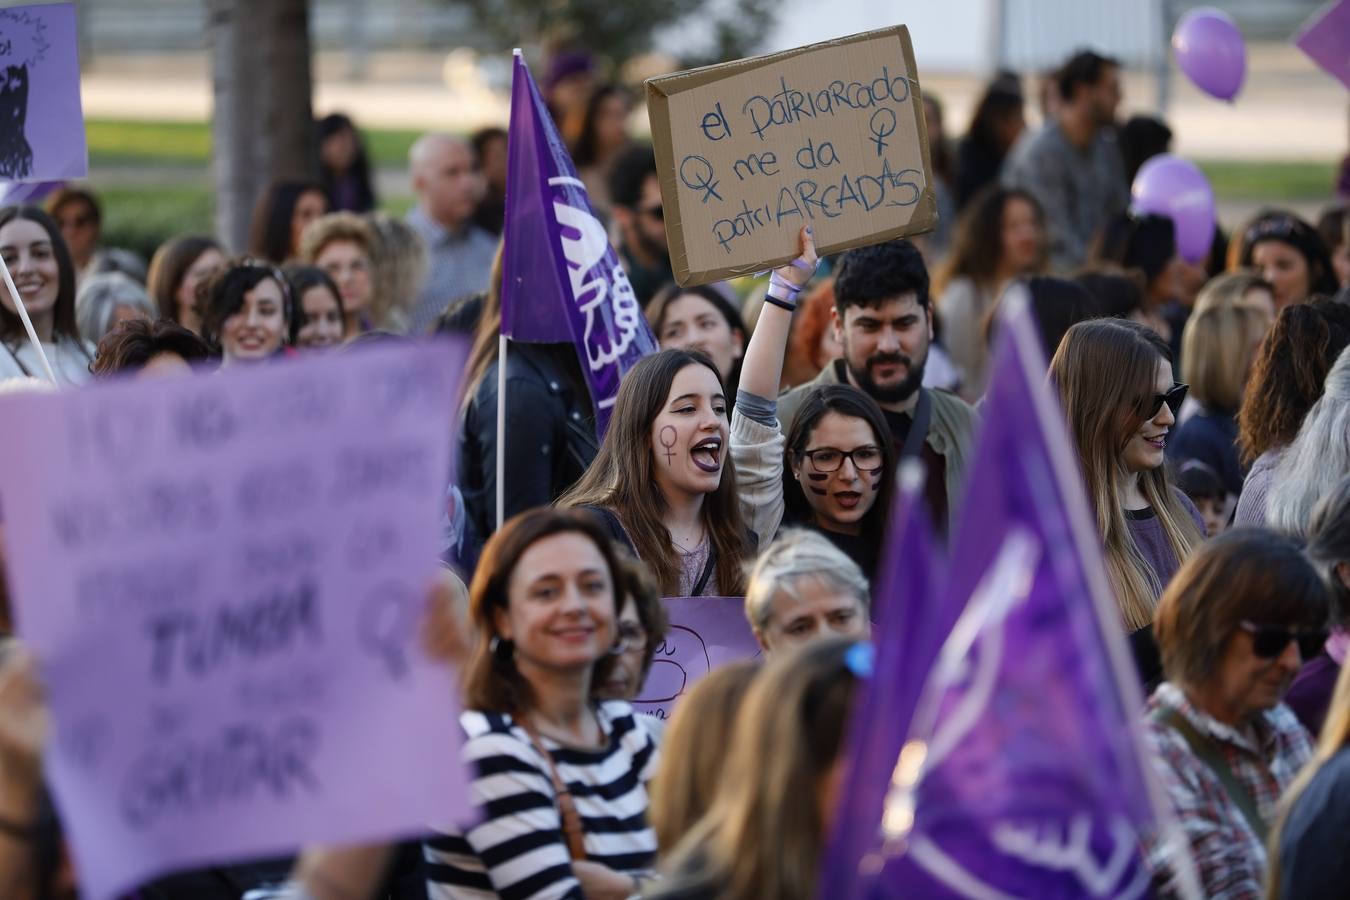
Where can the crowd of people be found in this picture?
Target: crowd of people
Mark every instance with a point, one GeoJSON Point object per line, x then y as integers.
{"type": "Point", "coordinates": [756, 456]}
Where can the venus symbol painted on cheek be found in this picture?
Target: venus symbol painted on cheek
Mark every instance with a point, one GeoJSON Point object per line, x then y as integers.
{"type": "Point", "coordinates": [668, 441]}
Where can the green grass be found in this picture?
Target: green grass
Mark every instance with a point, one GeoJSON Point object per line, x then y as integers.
{"type": "Point", "coordinates": [118, 142]}
{"type": "Point", "coordinates": [1270, 180]}
{"type": "Point", "coordinates": [143, 214]}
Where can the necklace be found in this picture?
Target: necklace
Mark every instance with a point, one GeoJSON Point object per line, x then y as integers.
{"type": "Point", "coordinates": [693, 544]}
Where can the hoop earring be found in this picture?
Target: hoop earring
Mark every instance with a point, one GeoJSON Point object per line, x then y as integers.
{"type": "Point", "coordinates": [500, 649]}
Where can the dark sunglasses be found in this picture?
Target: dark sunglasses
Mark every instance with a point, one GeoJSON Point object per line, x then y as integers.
{"type": "Point", "coordinates": [1269, 641]}
{"type": "Point", "coordinates": [657, 212]}
{"type": "Point", "coordinates": [1173, 398]}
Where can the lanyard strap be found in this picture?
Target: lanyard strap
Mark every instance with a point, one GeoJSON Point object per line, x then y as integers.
{"type": "Point", "coordinates": [918, 429]}
{"type": "Point", "coordinates": [1211, 756]}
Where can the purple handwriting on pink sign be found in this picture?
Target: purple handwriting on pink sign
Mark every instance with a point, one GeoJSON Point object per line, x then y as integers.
{"type": "Point", "coordinates": [1326, 38]}
{"type": "Point", "coordinates": [41, 122]}
{"type": "Point", "coordinates": [704, 633]}
{"type": "Point", "coordinates": [223, 577]}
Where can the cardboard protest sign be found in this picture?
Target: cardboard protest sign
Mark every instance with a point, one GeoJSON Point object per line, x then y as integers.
{"type": "Point", "coordinates": [704, 633]}
{"type": "Point", "coordinates": [830, 135]}
{"type": "Point", "coordinates": [43, 134]}
{"type": "Point", "coordinates": [223, 578]}
{"type": "Point", "coordinates": [1326, 39]}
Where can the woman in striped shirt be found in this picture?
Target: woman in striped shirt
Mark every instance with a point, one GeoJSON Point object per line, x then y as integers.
{"type": "Point", "coordinates": [561, 777]}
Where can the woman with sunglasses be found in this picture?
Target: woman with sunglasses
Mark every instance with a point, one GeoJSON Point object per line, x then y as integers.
{"type": "Point", "coordinates": [833, 471]}
{"type": "Point", "coordinates": [1116, 387]}
{"type": "Point", "coordinates": [1233, 627]}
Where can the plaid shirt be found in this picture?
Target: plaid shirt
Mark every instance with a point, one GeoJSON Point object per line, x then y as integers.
{"type": "Point", "coordinates": [1230, 858]}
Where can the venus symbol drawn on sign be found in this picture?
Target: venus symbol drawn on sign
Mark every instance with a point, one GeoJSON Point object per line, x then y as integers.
{"type": "Point", "coordinates": [882, 126]}
{"type": "Point", "coordinates": [699, 177]}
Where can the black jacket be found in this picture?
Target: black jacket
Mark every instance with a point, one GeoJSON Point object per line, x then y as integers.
{"type": "Point", "coordinates": [550, 434]}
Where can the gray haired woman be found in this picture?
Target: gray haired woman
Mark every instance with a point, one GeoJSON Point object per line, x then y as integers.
{"type": "Point", "coordinates": [803, 587]}
{"type": "Point", "coordinates": [1317, 459]}
{"type": "Point", "coordinates": [108, 299]}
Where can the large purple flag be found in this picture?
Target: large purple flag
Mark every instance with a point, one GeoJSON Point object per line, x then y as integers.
{"type": "Point", "coordinates": [1022, 773]}
{"type": "Point", "coordinates": [904, 604]}
{"type": "Point", "coordinates": [561, 279]}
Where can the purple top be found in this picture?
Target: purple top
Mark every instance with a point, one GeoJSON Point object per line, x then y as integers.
{"type": "Point", "coordinates": [1149, 537]}
{"type": "Point", "coordinates": [1310, 695]}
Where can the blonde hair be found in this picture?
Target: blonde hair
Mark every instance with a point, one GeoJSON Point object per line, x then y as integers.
{"type": "Point", "coordinates": [348, 226]}
{"type": "Point", "coordinates": [399, 266]}
{"type": "Point", "coordinates": [763, 835]}
{"type": "Point", "coordinates": [1217, 348]}
{"type": "Point", "coordinates": [1105, 370]}
{"type": "Point", "coordinates": [693, 751]}
{"type": "Point", "coordinates": [1230, 289]}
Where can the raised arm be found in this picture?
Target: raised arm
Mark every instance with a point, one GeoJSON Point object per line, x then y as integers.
{"type": "Point", "coordinates": [762, 368]}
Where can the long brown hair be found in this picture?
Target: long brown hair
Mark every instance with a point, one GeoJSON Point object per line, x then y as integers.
{"type": "Point", "coordinates": [169, 267]}
{"type": "Point", "coordinates": [1289, 373]}
{"type": "Point", "coordinates": [977, 246]}
{"type": "Point", "coordinates": [491, 681]}
{"type": "Point", "coordinates": [694, 751]}
{"type": "Point", "coordinates": [764, 834]}
{"type": "Point", "coordinates": [622, 478]}
{"type": "Point", "coordinates": [1105, 370]}
{"type": "Point", "coordinates": [63, 323]}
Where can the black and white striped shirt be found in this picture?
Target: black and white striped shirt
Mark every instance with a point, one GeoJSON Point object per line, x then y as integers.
{"type": "Point", "coordinates": [517, 851]}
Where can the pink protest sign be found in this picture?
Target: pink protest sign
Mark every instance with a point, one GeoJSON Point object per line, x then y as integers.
{"type": "Point", "coordinates": [223, 577]}
{"type": "Point", "coordinates": [1326, 38]}
{"type": "Point", "coordinates": [42, 138]}
{"type": "Point", "coordinates": [705, 632]}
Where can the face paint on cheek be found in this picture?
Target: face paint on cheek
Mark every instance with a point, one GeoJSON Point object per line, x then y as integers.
{"type": "Point", "coordinates": [668, 437]}
{"type": "Point", "coordinates": [819, 492]}
{"type": "Point", "coordinates": [875, 475]}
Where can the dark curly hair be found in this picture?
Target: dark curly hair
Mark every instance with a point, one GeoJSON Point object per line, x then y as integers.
{"type": "Point", "coordinates": [869, 276]}
{"type": "Point", "coordinates": [1289, 372]}
{"type": "Point", "coordinates": [223, 295]}
{"type": "Point", "coordinates": [134, 343]}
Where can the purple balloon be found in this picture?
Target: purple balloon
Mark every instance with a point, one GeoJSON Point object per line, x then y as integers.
{"type": "Point", "coordinates": [1211, 52]}
{"type": "Point", "coordinates": [1170, 186]}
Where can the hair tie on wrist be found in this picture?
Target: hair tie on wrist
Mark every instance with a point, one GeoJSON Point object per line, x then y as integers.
{"type": "Point", "coordinates": [781, 304]}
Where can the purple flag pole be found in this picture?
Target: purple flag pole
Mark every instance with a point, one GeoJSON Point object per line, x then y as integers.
{"type": "Point", "coordinates": [1022, 772]}
{"type": "Point", "coordinates": [561, 278]}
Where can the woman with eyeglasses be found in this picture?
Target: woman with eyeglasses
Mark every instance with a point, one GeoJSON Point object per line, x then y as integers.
{"type": "Point", "coordinates": [1287, 252]}
{"type": "Point", "coordinates": [832, 472]}
{"type": "Point", "coordinates": [1116, 387]}
{"type": "Point", "coordinates": [1234, 626]}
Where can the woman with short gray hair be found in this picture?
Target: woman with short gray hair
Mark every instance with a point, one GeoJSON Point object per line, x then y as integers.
{"type": "Point", "coordinates": [803, 587]}
{"type": "Point", "coordinates": [108, 299]}
{"type": "Point", "coordinates": [1317, 459]}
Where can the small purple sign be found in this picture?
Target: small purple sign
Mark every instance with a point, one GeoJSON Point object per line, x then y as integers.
{"type": "Point", "coordinates": [705, 632]}
{"type": "Point", "coordinates": [41, 122]}
{"type": "Point", "coordinates": [223, 578]}
{"type": "Point", "coordinates": [1326, 38]}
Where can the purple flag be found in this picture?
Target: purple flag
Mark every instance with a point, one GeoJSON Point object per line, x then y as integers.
{"type": "Point", "coordinates": [904, 605]}
{"type": "Point", "coordinates": [561, 279]}
{"type": "Point", "coordinates": [1326, 38]}
{"type": "Point", "coordinates": [1022, 773]}
{"type": "Point", "coordinates": [43, 137]}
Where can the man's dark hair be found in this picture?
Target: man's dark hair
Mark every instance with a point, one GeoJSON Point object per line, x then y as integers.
{"type": "Point", "coordinates": [1083, 68]}
{"type": "Point", "coordinates": [132, 344]}
{"type": "Point", "coordinates": [627, 174]}
{"type": "Point", "coordinates": [869, 276]}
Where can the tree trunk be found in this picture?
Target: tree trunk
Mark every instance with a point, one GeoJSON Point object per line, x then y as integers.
{"type": "Point", "coordinates": [262, 126]}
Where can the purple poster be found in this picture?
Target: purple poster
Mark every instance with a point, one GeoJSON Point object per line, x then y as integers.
{"type": "Point", "coordinates": [1326, 38]}
{"type": "Point", "coordinates": [704, 633]}
{"type": "Point", "coordinates": [41, 123]}
{"type": "Point", "coordinates": [223, 578]}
